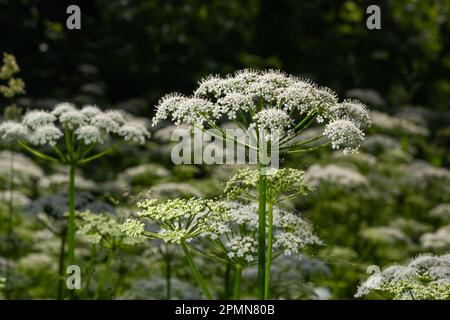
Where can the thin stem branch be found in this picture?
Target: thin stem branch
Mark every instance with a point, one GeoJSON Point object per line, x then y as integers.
{"type": "Point", "coordinates": [104, 274]}
{"type": "Point", "coordinates": [237, 282]}
{"type": "Point", "coordinates": [195, 270]}
{"type": "Point", "coordinates": [261, 232]}
{"type": "Point", "coordinates": [269, 249]}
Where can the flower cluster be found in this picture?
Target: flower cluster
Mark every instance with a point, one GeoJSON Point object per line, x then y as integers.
{"type": "Point", "coordinates": [242, 248]}
{"type": "Point", "coordinates": [424, 278]}
{"type": "Point", "coordinates": [89, 125]}
{"type": "Point", "coordinates": [335, 175]}
{"type": "Point", "coordinates": [180, 220]}
{"type": "Point", "coordinates": [269, 100]}
{"type": "Point", "coordinates": [441, 211]}
{"type": "Point", "coordinates": [280, 182]}
{"type": "Point", "coordinates": [291, 234]}
{"type": "Point", "coordinates": [103, 230]}
{"type": "Point", "coordinates": [439, 240]}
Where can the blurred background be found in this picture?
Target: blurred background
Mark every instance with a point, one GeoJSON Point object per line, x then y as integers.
{"type": "Point", "coordinates": [383, 206]}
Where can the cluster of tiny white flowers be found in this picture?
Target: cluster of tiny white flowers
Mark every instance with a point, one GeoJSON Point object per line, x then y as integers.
{"type": "Point", "coordinates": [441, 211]}
{"type": "Point", "coordinates": [389, 123]}
{"type": "Point", "coordinates": [90, 125]}
{"type": "Point", "coordinates": [11, 131]}
{"type": "Point", "coordinates": [234, 102]}
{"type": "Point", "coordinates": [273, 118]}
{"type": "Point", "coordinates": [344, 134]}
{"type": "Point", "coordinates": [291, 232]}
{"type": "Point", "coordinates": [47, 134]}
{"type": "Point", "coordinates": [89, 134]}
{"type": "Point", "coordinates": [279, 181]}
{"type": "Point", "coordinates": [268, 100]}
{"type": "Point", "coordinates": [184, 219]}
{"type": "Point", "coordinates": [384, 235]}
{"type": "Point", "coordinates": [439, 240]}
{"type": "Point", "coordinates": [104, 230]}
{"type": "Point", "coordinates": [36, 118]}
{"type": "Point", "coordinates": [134, 131]}
{"type": "Point", "coordinates": [351, 110]}
{"type": "Point", "coordinates": [73, 119]}
{"type": "Point", "coordinates": [133, 228]}
{"type": "Point", "coordinates": [333, 174]}
{"type": "Point", "coordinates": [423, 278]}
{"type": "Point", "coordinates": [242, 247]}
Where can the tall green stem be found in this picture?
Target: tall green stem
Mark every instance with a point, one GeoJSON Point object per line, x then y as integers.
{"type": "Point", "coordinates": [90, 270]}
{"type": "Point", "coordinates": [168, 267]}
{"type": "Point", "coordinates": [71, 228]}
{"type": "Point", "coordinates": [61, 264]}
{"type": "Point", "coordinates": [227, 288]}
{"type": "Point", "coordinates": [261, 232]}
{"type": "Point", "coordinates": [237, 283]}
{"type": "Point", "coordinates": [195, 270]}
{"type": "Point", "coordinates": [269, 248]}
{"type": "Point", "coordinates": [104, 274]}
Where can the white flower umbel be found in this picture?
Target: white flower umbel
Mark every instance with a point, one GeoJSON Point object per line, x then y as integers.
{"type": "Point", "coordinates": [47, 134]}
{"type": "Point", "coordinates": [179, 221]}
{"type": "Point", "coordinates": [72, 135]}
{"type": "Point", "coordinates": [427, 277]}
{"type": "Point", "coordinates": [344, 134]}
{"type": "Point", "coordinates": [11, 131]}
{"type": "Point", "coordinates": [332, 174]}
{"type": "Point", "coordinates": [35, 119]}
{"type": "Point", "coordinates": [270, 101]}
{"type": "Point", "coordinates": [89, 135]}
{"type": "Point", "coordinates": [134, 132]}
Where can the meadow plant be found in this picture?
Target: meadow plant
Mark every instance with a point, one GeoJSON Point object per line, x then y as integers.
{"type": "Point", "coordinates": [179, 222]}
{"type": "Point", "coordinates": [427, 277]}
{"type": "Point", "coordinates": [101, 230]}
{"type": "Point", "coordinates": [274, 102]}
{"type": "Point", "coordinates": [71, 135]}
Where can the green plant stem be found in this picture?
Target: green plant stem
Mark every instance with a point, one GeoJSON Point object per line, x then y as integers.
{"type": "Point", "coordinates": [269, 248]}
{"type": "Point", "coordinates": [168, 267]}
{"type": "Point", "coordinates": [71, 228]}
{"type": "Point", "coordinates": [104, 275]}
{"type": "Point", "coordinates": [237, 283]}
{"type": "Point", "coordinates": [226, 293]}
{"type": "Point", "coordinates": [261, 232]}
{"type": "Point", "coordinates": [90, 269]}
{"type": "Point", "coordinates": [195, 270]}
{"type": "Point", "coordinates": [61, 265]}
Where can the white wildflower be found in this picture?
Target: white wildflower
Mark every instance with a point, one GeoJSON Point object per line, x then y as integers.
{"type": "Point", "coordinates": [335, 175]}
{"type": "Point", "coordinates": [273, 119]}
{"type": "Point", "coordinates": [105, 123]}
{"type": "Point", "coordinates": [441, 211]}
{"type": "Point", "coordinates": [11, 131]}
{"type": "Point", "coordinates": [90, 111]}
{"type": "Point", "coordinates": [344, 134]}
{"type": "Point", "coordinates": [45, 135]}
{"type": "Point", "coordinates": [439, 240]}
{"type": "Point", "coordinates": [234, 102]}
{"type": "Point", "coordinates": [35, 119]}
{"type": "Point", "coordinates": [351, 110]}
{"type": "Point", "coordinates": [63, 107]}
{"type": "Point", "coordinates": [73, 119]}
{"type": "Point", "coordinates": [133, 228]}
{"type": "Point", "coordinates": [242, 248]}
{"type": "Point", "coordinates": [89, 134]}
{"type": "Point", "coordinates": [134, 132]}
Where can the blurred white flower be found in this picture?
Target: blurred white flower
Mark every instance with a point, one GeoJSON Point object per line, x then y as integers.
{"type": "Point", "coordinates": [47, 134]}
